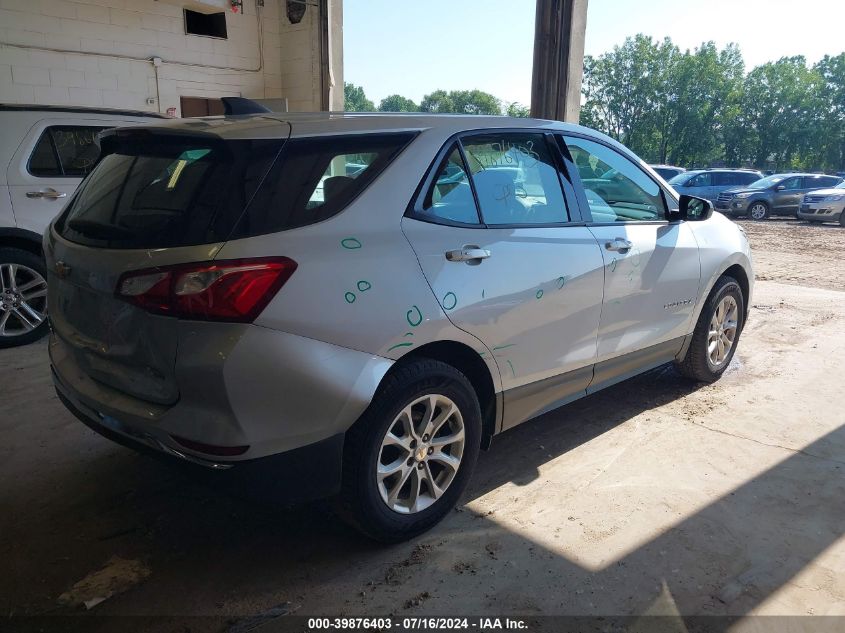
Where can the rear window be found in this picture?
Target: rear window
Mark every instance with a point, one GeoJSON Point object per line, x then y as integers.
{"type": "Point", "coordinates": [316, 178]}
{"type": "Point", "coordinates": [159, 191]}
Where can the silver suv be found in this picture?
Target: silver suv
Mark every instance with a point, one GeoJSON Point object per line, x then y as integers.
{"type": "Point", "coordinates": [45, 152]}
{"type": "Point", "coordinates": [779, 194]}
{"type": "Point", "coordinates": [353, 305]}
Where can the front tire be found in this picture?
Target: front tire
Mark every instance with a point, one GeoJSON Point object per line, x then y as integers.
{"type": "Point", "coordinates": [716, 334]}
{"type": "Point", "coordinates": [758, 211]}
{"type": "Point", "coordinates": [23, 297]}
{"type": "Point", "coordinates": [410, 456]}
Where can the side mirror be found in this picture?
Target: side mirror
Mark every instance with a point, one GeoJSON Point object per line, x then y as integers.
{"type": "Point", "coordinates": [694, 209]}
{"type": "Point", "coordinates": [780, 188]}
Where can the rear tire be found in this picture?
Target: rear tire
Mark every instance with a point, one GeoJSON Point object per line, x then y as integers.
{"type": "Point", "coordinates": [758, 211]}
{"type": "Point", "coordinates": [382, 441]}
{"type": "Point", "coordinates": [703, 361]}
{"type": "Point", "coordinates": [23, 297]}
{"type": "Point", "coordinates": [842, 218]}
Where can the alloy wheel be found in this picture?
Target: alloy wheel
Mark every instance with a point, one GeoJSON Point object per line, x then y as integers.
{"type": "Point", "coordinates": [420, 454]}
{"type": "Point", "coordinates": [723, 330]}
{"type": "Point", "coordinates": [23, 299]}
{"type": "Point", "coordinates": [757, 211]}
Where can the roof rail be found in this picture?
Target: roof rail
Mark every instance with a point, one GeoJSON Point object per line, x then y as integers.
{"type": "Point", "coordinates": [241, 105]}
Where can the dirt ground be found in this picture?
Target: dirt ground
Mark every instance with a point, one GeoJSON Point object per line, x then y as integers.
{"type": "Point", "coordinates": [653, 497]}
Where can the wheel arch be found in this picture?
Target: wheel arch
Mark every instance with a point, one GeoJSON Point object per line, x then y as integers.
{"type": "Point", "coordinates": [468, 361]}
{"type": "Point", "coordinates": [22, 239]}
{"type": "Point", "coordinates": [739, 273]}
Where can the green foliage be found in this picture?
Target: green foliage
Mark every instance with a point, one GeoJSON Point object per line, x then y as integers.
{"type": "Point", "coordinates": [354, 99]}
{"type": "Point", "coordinates": [516, 109]}
{"type": "Point", "coordinates": [698, 107]}
{"type": "Point", "coordinates": [397, 103]}
{"type": "Point", "coordinates": [461, 102]}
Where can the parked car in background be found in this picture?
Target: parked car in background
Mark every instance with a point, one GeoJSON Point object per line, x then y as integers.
{"type": "Point", "coordinates": [45, 152]}
{"type": "Point", "coordinates": [773, 195]}
{"type": "Point", "coordinates": [824, 205]}
{"type": "Point", "coordinates": [709, 183]}
{"type": "Point", "coordinates": [667, 172]}
{"type": "Point", "coordinates": [366, 343]}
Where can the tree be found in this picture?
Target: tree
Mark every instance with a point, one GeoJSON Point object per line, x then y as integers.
{"type": "Point", "coordinates": [460, 102]}
{"type": "Point", "coordinates": [780, 104]}
{"type": "Point", "coordinates": [831, 74]}
{"type": "Point", "coordinates": [354, 99]}
{"type": "Point", "coordinates": [397, 103]}
{"type": "Point", "coordinates": [516, 109]}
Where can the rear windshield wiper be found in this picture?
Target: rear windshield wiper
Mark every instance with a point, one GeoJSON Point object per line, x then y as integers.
{"type": "Point", "coordinates": [99, 231]}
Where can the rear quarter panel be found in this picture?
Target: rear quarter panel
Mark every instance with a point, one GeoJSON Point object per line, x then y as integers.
{"type": "Point", "coordinates": [358, 283]}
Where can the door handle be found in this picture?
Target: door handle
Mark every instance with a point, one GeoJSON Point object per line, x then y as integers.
{"type": "Point", "coordinates": [470, 253]}
{"type": "Point", "coordinates": [50, 194]}
{"type": "Point", "coordinates": [618, 244]}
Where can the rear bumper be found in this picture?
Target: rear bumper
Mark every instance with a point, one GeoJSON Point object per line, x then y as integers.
{"type": "Point", "coordinates": [271, 392]}
{"type": "Point", "coordinates": [309, 472]}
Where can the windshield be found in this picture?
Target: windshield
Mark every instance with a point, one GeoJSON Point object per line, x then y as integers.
{"type": "Point", "coordinates": [680, 179]}
{"type": "Point", "coordinates": [765, 183]}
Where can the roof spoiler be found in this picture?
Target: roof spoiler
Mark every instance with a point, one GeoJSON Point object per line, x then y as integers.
{"type": "Point", "coordinates": [240, 105]}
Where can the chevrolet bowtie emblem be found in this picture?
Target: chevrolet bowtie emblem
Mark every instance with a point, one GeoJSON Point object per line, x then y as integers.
{"type": "Point", "coordinates": [62, 269]}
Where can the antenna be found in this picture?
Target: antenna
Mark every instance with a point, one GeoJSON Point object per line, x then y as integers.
{"type": "Point", "coordinates": [240, 105]}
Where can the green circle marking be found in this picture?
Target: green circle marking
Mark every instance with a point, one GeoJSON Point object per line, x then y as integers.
{"type": "Point", "coordinates": [561, 282]}
{"type": "Point", "coordinates": [446, 301]}
{"type": "Point", "coordinates": [417, 321]}
{"type": "Point", "coordinates": [350, 297]}
{"type": "Point", "coordinates": [351, 243]}
{"type": "Point", "coordinates": [539, 294]}
{"type": "Point", "coordinates": [363, 286]}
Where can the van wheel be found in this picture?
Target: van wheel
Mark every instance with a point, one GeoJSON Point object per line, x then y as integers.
{"type": "Point", "coordinates": [23, 297]}
{"type": "Point", "coordinates": [411, 454]}
{"type": "Point", "coordinates": [716, 334]}
{"type": "Point", "coordinates": [758, 211]}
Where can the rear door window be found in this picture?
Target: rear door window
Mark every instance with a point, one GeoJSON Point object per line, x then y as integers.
{"type": "Point", "coordinates": [724, 179]}
{"type": "Point", "coordinates": [820, 182]}
{"type": "Point", "coordinates": [516, 179]}
{"type": "Point", "coordinates": [316, 178]}
{"type": "Point", "coordinates": [166, 191]}
{"type": "Point", "coordinates": [65, 150]}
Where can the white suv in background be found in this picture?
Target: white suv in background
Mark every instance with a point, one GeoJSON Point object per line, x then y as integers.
{"type": "Point", "coordinates": [45, 151]}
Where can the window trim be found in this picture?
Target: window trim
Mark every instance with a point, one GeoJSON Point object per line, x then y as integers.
{"type": "Point", "coordinates": [415, 209]}
{"type": "Point", "coordinates": [48, 131]}
{"type": "Point", "coordinates": [669, 201]}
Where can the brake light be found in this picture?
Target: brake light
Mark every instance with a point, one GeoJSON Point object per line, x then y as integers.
{"type": "Point", "coordinates": [234, 290]}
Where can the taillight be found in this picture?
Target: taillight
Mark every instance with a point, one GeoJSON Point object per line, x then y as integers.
{"type": "Point", "coordinates": [234, 290]}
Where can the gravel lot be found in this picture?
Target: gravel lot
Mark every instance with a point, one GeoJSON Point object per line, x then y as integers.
{"type": "Point", "coordinates": [655, 496]}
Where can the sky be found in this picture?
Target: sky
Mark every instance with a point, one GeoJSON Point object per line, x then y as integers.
{"type": "Point", "coordinates": [415, 47]}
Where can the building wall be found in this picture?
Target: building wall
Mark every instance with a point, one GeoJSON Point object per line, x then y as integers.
{"type": "Point", "coordinates": [106, 47]}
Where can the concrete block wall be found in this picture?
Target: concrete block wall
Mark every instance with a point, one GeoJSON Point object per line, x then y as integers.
{"type": "Point", "coordinates": [106, 46]}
